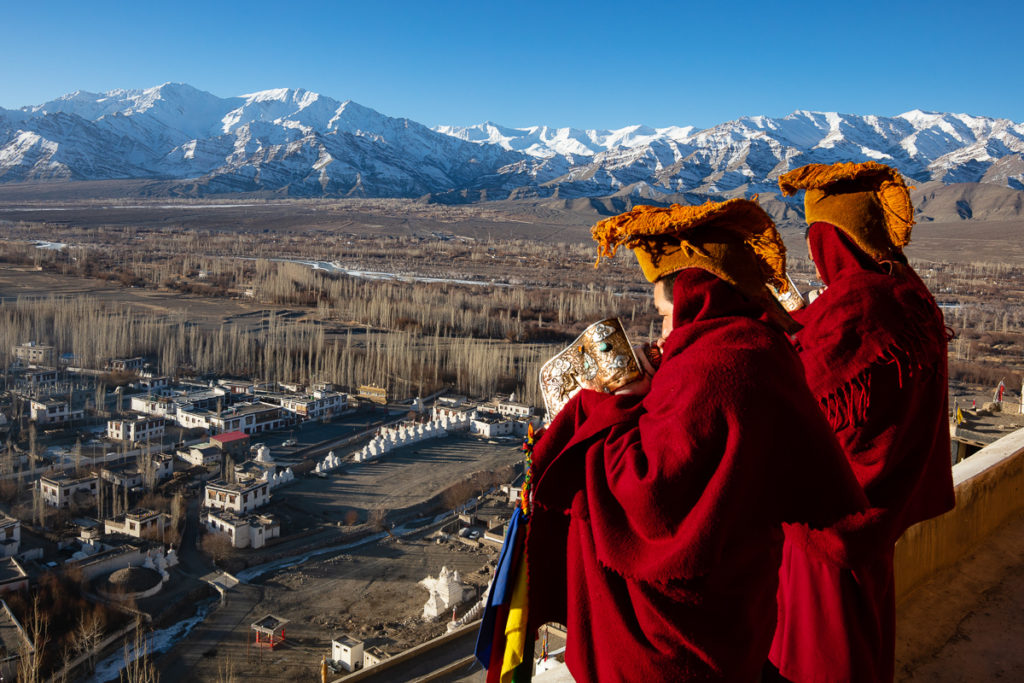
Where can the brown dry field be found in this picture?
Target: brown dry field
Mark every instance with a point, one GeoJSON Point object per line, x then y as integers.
{"type": "Point", "coordinates": [549, 220]}
{"type": "Point", "coordinates": [207, 312]}
{"type": "Point", "coordinates": [372, 593]}
{"type": "Point", "coordinates": [402, 479]}
{"type": "Point", "coordinates": [969, 242]}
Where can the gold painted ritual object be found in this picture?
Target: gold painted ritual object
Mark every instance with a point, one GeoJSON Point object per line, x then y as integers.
{"type": "Point", "coordinates": [600, 359]}
{"type": "Point", "coordinates": [791, 300]}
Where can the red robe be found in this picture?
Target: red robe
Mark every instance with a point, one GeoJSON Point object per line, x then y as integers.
{"type": "Point", "coordinates": [874, 349]}
{"type": "Point", "coordinates": [656, 529]}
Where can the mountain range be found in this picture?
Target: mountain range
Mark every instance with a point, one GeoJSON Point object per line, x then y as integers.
{"type": "Point", "coordinates": [296, 143]}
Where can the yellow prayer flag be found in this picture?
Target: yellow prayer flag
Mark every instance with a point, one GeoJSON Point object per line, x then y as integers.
{"type": "Point", "coordinates": [515, 627]}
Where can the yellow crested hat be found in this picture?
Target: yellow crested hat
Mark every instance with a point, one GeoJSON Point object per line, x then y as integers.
{"type": "Point", "coordinates": [868, 201]}
{"type": "Point", "coordinates": [734, 240]}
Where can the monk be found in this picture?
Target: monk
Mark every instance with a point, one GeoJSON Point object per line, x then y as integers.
{"type": "Point", "coordinates": [655, 532]}
{"type": "Point", "coordinates": [873, 345]}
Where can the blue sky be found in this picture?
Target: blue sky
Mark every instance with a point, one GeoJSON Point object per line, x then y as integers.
{"type": "Point", "coordinates": [586, 64]}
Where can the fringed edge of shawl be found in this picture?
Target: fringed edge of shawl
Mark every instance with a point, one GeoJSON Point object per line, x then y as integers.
{"type": "Point", "coordinates": [848, 404]}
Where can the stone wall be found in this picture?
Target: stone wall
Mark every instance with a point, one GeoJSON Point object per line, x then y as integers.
{"type": "Point", "coordinates": [989, 489]}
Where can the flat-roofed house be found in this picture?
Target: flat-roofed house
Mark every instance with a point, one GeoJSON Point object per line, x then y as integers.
{"type": "Point", "coordinates": [237, 497]}
{"type": "Point", "coordinates": [319, 405]}
{"type": "Point", "coordinates": [491, 425]}
{"type": "Point", "coordinates": [126, 364]}
{"type": "Point", "coordinates": [36, 354]}
{"type": "Point", "coordinates": [233, 443]}
{"type": "Point", "coordinates": [251, 418]}
{"type": "Point", "coordinates": [12, 576]}
{"type": "Point", "coordinates": [347, 652]}
{"type": "Point", "coordinates": [59, 490]}
{"type": "Point", "coordinates": [41, 378]}
{"type": "Point", "coordinates": [374, 394]}
{"type": "Point", "coordinates": [245, 531]}
{"type": "Point", "coordinates": [139, 430]}
{"type": "Point", "coordinates": [53, 411]}
{"type": "Point", "coordinates": [138, 523]}
{"type": "Point", "coordinates": [10, 536]}
{"type": "Point", "coordinates": [201, 454]}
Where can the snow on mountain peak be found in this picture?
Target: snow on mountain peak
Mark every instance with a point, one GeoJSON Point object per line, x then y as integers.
{"type": "Point", "coordinates": [302, 142]}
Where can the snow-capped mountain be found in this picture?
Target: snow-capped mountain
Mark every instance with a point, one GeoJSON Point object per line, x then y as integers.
{"type": "Point", "coordinates": [289, 141]}
{"type": "Point", "coordinates": [747, 155]}
{"type": "Point", "coordinates": [300, 143]}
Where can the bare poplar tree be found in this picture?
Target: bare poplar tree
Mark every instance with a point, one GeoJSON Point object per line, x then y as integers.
{"type": "Point", "coordinates": [138, 667]}
{"type": "Point", "coordinates": [30, 655]}
{"type": "Point", "coordinates": [88, 634]}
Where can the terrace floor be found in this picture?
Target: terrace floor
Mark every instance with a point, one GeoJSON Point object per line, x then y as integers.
{"type": "Point", "coordinates": [966, 622]}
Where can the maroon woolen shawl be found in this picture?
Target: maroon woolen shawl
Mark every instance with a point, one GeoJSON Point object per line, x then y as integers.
{"type": "Point", "coordinates": [873, 347]}
{"type": "Point", "coordinates": [655, 533]}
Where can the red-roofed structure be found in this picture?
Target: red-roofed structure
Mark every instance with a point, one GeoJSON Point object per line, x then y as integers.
{"type": "Point", "coordinates": [233, 443]}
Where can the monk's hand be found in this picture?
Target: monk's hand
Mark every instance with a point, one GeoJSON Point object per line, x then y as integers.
{"type": "Point", "coordinates": [641, 385]}
{"type": "Point", "coordinates": [643, 354]}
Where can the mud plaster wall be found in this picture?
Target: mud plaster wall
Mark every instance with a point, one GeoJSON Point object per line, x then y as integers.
{"type": "Point", "coordinates": [989, 489]}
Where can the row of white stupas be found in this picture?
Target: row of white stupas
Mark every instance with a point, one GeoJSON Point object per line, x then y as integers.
{"type": "Point", "coordinates": [406, 434]}
{"type": "Point", "coordinates": [159, 561]}
{"type": "Point", "coordinates": [270, 474]}
{"type": "Point", "coordinates": [285, 476]}
{"type": "Point", "coordinates": [446, 591]}
{"type": "Point", "coordinates": [331, 462]}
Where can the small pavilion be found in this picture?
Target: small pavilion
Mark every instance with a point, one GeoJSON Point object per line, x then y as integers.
{"type": "Point", "coordinates": [269, 631]}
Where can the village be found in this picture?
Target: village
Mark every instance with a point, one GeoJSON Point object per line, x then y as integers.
{"type": "Point", "coordinates": [154, 497]}
{"type": "Point", "coordinates": [221, 468]}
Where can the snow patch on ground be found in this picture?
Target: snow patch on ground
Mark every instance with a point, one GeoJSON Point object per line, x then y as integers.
{"type": "Point", "coordinates": [160, 640]}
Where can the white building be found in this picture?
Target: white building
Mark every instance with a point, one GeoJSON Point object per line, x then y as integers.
{"type": "Point", "coordinates": [510, 409]}
{"type": "Point", "coordinates": [40, 379]}
{"type": "Point", "coordinates": [237, 497]}
{"type": "Point", "coordinates": [155, 405]}
{"type": "Point", "coordinates": [161, 463]}
{"type": "Point", "coordinates": [250, 418]}
{"type": "Point", "coordinates": [373, 656]}
{"type": "Point", "coordinates": [10, 536]}
{"type": "Point", "coordinates": [235, 387]}
{"type": "Point", "coordinates": [138, 523]}
{"type": "Point", "coordinates": [126, 476]}
{"type": "Point", "coordinates": [131, 474]}
{"type": "Point", "coordinates": [192, 418]}
{"type": "Point", "coordinates": [347, 652]}
{"type": "Point", "coordinates": [139, 430]}
{"type": "Point", "coordinates": [154, 384]}
{"type": "Point", "coordinates": [319, 405]}
{"type": "Point", "coordinates": [126, 364]}
{"type": "Point", "coordinates": [521, 425]}
{"type": "Point", "coordinates": [245, 531]}
{"type": "Point", "coordinates": [53, 412]}
{"type": "Point", "coordinates": [201, 454]}
{"type": "Point", "coordinates": [33, 353]}
{"type": "Point", "coordinates": [491, 425]}
{"type": "Point", "coordinates": [169, 404]}
{"type": "Point", "coordinates": [207, 398]}
{"type": "Point", "coordinates": [59, 490]}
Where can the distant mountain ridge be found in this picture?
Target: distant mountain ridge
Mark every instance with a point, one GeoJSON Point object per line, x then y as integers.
{"type": "Point", "coordinates": [293, 142]}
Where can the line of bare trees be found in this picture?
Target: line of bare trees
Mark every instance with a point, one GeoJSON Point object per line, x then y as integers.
{"type": "Point", "coordinates": [414, 331]}
{"type": "Point", "coordinates": [284, 350]}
